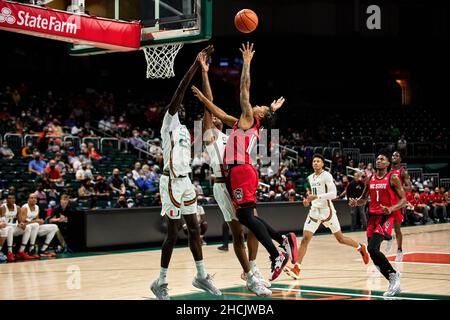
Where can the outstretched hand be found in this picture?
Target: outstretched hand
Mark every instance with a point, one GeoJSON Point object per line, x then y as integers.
{"type": "Point", "coordinates": [247, 52]}
{"type": "Point", "coordinates": [203, 59]}
{"type": "Point", "coordinates": [198, 93]}
{"type": "Point", "coordinates": [206, 52]}
{"type": "Point", "coordinates": [277, 104]}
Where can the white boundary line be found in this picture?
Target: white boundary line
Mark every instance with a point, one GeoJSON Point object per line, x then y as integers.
{"type": "Point", "coordinates": [349, 294]}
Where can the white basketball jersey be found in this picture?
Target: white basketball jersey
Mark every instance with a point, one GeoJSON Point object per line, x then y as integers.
{"type": "Point", "coordinates": [31, 214]}
{"type": "Point", "coordinates": [176, 145]}
{"type": "Point", "coordinates": [10, 216]}
{"type": "Point", "coordinates": [216, 151]}
{"type": "Point", "coordinates": [322, 186]}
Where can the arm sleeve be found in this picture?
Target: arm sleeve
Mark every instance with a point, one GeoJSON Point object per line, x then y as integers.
{"type": "Point", "coordinates": [332, 192]}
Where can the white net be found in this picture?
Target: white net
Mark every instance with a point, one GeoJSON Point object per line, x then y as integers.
{"type": "Point", "coordinates": [160, 60]}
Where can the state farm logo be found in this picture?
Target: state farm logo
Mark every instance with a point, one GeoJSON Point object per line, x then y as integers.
{"type": "Point", "coordinates": [41, 22]}
{"type": "Point", "coordinates": [7, 16]}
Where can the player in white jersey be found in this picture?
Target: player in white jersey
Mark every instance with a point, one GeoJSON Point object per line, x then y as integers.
{"type": "Point", "coordinates": [322, 211]}
{"type": "Point", "coordinates": [30, 214]}
{"type": "Point", "coordinates": [9, 214]}
{"type": "Point", "coordinates": [177, 192]}
{"type": "Point", "coordinates": [215, 141]}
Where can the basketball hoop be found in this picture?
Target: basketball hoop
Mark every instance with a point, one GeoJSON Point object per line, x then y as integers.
{"type": "Point", "coordinates": [160, 60]}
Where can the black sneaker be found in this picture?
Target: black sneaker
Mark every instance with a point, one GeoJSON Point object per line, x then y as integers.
{"type": "Point", "coordinates": [222, 248]}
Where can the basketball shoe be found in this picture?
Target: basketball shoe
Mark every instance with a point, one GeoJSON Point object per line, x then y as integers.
{"type": "Point", "coordinates": [290, 245]}
{"type": "Point", "coordinates": [364, 253]}
{"type": "Point", "coordinates": [394, 285]}
{"type": "Point", "coordinates": [22, 255]}
{"type": "Point", "coordinates": [206, 284]}
{"type": "Point", "coordinates": [293, 272]}
{"type": "Point", "coordinates": [160, 291]}
{"type": "Point", "coordinates": [257, 274]}
{"type": "Point", "coordinates": [277, 265]}
{"type": "Point", "coordinates": [255, 286]}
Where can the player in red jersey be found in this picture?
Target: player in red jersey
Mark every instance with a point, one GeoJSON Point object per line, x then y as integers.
{"type": "Point", "coordinates": [243, 177]}
{"type": "Point", "coordinates": [402, 173]}
{"type": "Point", "coordinates": [386, 196]}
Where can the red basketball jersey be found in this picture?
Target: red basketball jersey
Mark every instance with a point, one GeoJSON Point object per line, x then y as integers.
{"type": "Point", "coordinates": [240, 144]}
{"type": "Point", "coordinates": [399, 172]}
{"type": "Point", "coordinates": [381, 193]}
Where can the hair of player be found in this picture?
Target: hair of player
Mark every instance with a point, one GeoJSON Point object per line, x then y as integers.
{"type": "Point", "coordinates": [269, 120]}
{"type": "Point", "coordinates": [320, 156]}
{"type": "Point", "coordinates": [385, 153]}
{"type": "Point", "coordinates": [400, 153]}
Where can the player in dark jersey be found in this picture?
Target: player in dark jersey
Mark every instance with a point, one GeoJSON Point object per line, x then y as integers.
{"type": "Point", "coordinates": [243, 177]}
{"type": "Point", "coordinates": [386, 196]}
{"type": "Point", "coordinates": [402, 173]}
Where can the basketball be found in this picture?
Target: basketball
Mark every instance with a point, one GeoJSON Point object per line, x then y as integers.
{"type": "Point", "coordinates": [246, 21]}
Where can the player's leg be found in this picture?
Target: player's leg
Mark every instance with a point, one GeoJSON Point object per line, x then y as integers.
{"type": "Point", "coordinates": [3, 236]}
{"type": "Point", "coordinates": [33, 237]}
{"type": "Point", "coordinates": [399, 237]}
{"type": "Point", "coordinates": [49, 231]}
{"type": "Point", "coordinates": [9, 243]}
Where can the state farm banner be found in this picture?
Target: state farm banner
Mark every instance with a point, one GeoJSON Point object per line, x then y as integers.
{"type": "Point", "coordinates": [74, 28]}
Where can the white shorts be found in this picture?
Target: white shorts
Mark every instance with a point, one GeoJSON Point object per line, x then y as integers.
{"type": "Point", "coordinates": [178, 197]}
{"type": "Point", "coordinates": [223, 199]}
{"type": "Point", "coordinates": [4, 231]}
{"type": "Point", "coordinates": [319, 215]}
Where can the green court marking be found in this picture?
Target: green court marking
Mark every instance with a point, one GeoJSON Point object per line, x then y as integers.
{"type": "Point", "coordinates": [297, 292]}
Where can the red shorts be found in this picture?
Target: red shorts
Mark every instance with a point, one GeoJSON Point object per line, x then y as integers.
{"type": "Point", "coordinates": [243, 183]}
{"type": "Point", "coordinates": [398, 215]}
{"type": "Point", "coordinates": [381, 224]}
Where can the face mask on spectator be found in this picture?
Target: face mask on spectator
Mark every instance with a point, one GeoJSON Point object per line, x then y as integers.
{"type": "Point", "coordinates": [52, 166]}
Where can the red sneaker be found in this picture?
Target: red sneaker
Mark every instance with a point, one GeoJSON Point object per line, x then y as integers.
{"type": "Point", "coordinates": [24, 256]}
{"type": "Point", "coordinates": [293, 272]}
{"type": "Point", "coordinates": [35, 255]}
{"type": "Point", "coordinates": [48, 254]}
{"type": "Point", "coordinates": [278, 265]}
{"type": "Point", "coordinates": [290, 245]}
{"type": "Point", "coordinates": [10, 257]}
{"type": "Point", "coordinates": [364, 253]}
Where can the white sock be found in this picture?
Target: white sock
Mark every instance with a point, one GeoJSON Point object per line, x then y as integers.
{"type": "Point", "coordinates": [253, 265]}
{"type": "Point", "coordinates": [22, 248]}
{"type": "Point", "coordinates": [44, 247]}
{"type": "Point", "coordinates": [249, 276]}
{"type": "Point", "coordinates": [31, 248]}
{"type": "Point", "coordinates": [10, 249]}
{"type": "Point", "coordinates": [201, 273]}
{"type": "Point", "coordinates": [162, 276]}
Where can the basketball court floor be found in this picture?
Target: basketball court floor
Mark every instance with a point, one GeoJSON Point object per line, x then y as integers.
{"type": "Point", "coordinates": [330, 272]}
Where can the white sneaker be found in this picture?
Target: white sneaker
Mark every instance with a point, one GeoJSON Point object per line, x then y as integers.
{"type": "Point", "coordinates": [261, 279]}
{"type": "Point", "coordinates": [394, 285]}
{"type": "Point", "coordinates": [206, 284]}
{"type": "Point", "coordinates": [258, 288]}
{"type": "Point", "coordinates": [399, 257]}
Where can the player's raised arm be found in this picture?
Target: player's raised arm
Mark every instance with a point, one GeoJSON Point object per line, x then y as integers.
{"type": "Point", "coordinates": [178, 96]}
{"type": "Point", "coordinates": [246, 119]}
{"type": "Point", "coordinates": [215, 110]}
{"type": "Point", "coordinates": [207, 117]}
{"type": "Point", "coordinates": [398, 188]}
{"type": "Point", "coordinates": [362, 200]}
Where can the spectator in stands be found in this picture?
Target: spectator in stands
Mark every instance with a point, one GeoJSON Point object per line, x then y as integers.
{"type": "Point", "coordinates": [121, 202]}
{"type": "Point", "coordinates": [155, 149]}
{"type": "Point", "coordinates": [137, 171]}
{"type": "Point", "coordinates": [116, 184]}
{"type": "Point", "coordinates": [6, 152]}
{"type": "Point", "coordinates": [290, 185]}
{"type": "Point", "coordinates": [86, 191]}
{"type": "Point", "coordinates": [27, 151]}
{"type": "Point", "coordinates": [37, 165]}
{"type": "Point", "coordinates": [101, 188]}
{"type": "Point", "coordinates": [129, 182]}
{"type": "Point", "coordinates": [54, 174]}
{"type": "Point", "coordinates": [354, 190]}
{"type": "Point", "coordinates": [136, 140]}
{"type": "Point", "coordinates": [402, 145]}
{"type": "Point", "coordinates": [139, 203]}
{"type": "Point", "coordinates": [439, 206]}
{"type": "Point", "coordinates": [84, 173]}
{"type": "Point", "coordinates": [92, 152]}
{"type": "Point", "coordinates": [60, 165]}
{"type": "Point", "coordinates": [41, 196]}
{"type": "Point", "coordinates": [60, 216]}
{"type": "Point", "coordinates": [76, 130]}
{"type": "Point", "coordinates": [104, 124]}
{"type": "Point", "coordinates": [369, 170]}
{"type": "Point", "coordinates": [419, 207]}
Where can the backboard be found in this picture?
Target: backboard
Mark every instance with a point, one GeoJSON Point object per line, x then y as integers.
{"type": "Point", "coordinates": [164, 21]}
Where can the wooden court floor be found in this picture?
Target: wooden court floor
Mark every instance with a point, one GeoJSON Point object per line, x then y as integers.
{"type": "Point", "coordinates": [330, 271]}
